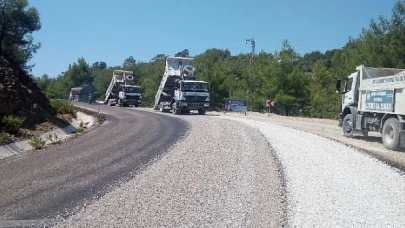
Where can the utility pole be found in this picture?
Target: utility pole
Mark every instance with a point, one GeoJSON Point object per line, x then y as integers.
{"type": "Point", "coordinates": [251, 59]}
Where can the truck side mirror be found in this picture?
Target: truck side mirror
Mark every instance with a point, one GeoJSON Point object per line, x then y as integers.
{"type": "Point", "coordinates": [338, 82]}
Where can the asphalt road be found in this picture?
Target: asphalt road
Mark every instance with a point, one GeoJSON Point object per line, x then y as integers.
{"type": "Point", "coordinates": [54, 181]}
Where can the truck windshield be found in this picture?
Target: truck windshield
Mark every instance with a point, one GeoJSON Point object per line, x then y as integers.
{"type": "Point", "coordinates": [195, 87]}
{"type": "Point", "coordinates": [132, 89]}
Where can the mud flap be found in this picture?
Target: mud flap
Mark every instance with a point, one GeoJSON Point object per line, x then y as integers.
{"type": "Point", "coordinates": [401, 132]}
{"type": "Point", "coordinates": [402, 139]}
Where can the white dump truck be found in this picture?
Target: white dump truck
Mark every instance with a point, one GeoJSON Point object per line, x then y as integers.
{"type": "Point", "coordinates": [374, 100]}
{"type": "Point", "coordinates": [179, 91]}
{"type": "Point", "coordinates": [122, 90]}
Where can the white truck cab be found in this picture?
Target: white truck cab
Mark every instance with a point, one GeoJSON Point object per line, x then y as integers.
{"type": "Point", "coordinates": [349, 94]}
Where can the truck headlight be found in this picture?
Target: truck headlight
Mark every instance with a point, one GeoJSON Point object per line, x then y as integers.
{"type": "Point", "coordinates": [208, 99]}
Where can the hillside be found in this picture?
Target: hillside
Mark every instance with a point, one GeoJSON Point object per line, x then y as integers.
{"type": "Point", "coordinates": [21, 98]}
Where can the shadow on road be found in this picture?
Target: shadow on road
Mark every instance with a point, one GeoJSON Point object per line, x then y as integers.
{"type": "Point", "coordinates": [369, 138]}
{"type": "Point", "coordinates": [374, 139]}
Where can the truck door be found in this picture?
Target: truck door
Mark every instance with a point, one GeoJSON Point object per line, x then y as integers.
{"type": "Point", "coordinates": [351, 90]}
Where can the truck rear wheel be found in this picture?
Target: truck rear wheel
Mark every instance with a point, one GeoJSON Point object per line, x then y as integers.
{"type": "Point", "coordinates": [390, 134]}
{"type": "Point", "coordinates": [347, 126]}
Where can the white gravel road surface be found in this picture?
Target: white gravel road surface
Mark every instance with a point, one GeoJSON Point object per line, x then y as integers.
{"type": "Point", "coordinates": [331, 185]}
{"type": "Point", "coordinates": [222, 174]}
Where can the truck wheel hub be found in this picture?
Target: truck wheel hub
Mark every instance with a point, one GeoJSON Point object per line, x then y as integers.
{"type": "Point", "coordinates": [348, 126]}
{"type": "Point", "coordinates": [389, 134]}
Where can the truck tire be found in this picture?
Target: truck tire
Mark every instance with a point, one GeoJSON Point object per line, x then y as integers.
{"type": "Point", "coordinates": [390, 134]}
{"type": "Point", "coordinates": [110, 104]}
{"type": "Point", "coordinates": [347, 126]}
{"type": "Point", "coordinates": [201, 111]}
{"type": "Point", "coordinates": [161, 109]}
{"type": "Point", "coordinates": [175, 109]}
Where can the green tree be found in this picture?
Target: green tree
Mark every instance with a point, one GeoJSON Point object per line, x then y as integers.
{"type": "Point", "coordinates": [183, 53]}
{"type": "Point", "coordinates": [99, 65]}
{"type": "Point", "coordinates": [158, 57]}
{"type": "Point", "coordinates": [43, 82]}
{"type": "Point", "coordinates": [324, 103]}
{"type": "Point", "coordinates": [78, 74]}
{"type": "Point", "coordinates": [129, 61]}
{"type": "Point", "coordinates": [289, 81]}
{"type": "Point", "coordinates": [102, 79]}
{"type": "Point", "coordinates": [18, 22]}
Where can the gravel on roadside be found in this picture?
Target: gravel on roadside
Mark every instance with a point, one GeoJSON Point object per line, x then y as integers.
{"type": "Point", "coordinates": [222, 174]}
{"type": "Point", "coordinates": [330, 129]}
{"type": "Point", "coordinates": [329, 184]}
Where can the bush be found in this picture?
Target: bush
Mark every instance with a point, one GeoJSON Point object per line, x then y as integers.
{"type": "Point", "coordinates": [12, 124]}
{"type": "Point", "coordinates": [63, 107]}
{"type": "Point", "coordinates": [36, 142]}
{"type": "Point", "coordinates": [4, 137]}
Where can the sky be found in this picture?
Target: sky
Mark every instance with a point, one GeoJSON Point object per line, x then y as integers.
{"type": "Point", "coordinates": [112, 30]}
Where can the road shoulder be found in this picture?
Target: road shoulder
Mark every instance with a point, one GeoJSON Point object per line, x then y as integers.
{"type": "Point", "coordinates": [77, 125]}
{"type": "Point", "coordinates": [326, 128]}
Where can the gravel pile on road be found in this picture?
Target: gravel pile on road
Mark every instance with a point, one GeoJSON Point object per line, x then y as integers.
{"type": "Point", "coordinates": [333, 185]}
{"type": "Point", "coordinates": [223, 174]}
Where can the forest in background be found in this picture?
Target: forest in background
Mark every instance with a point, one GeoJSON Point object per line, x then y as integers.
{"type": "Point", "coordinates": [299, 85]}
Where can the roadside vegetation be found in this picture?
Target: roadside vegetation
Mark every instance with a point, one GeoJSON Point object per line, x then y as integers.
{"type": "Point", "coordinates": [64, 108]}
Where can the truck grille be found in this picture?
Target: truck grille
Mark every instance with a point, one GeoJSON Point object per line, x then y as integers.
{"type": "Point", "coordinates": [132, 97]}
{"type": "Point", "coordinates": [196, 98]}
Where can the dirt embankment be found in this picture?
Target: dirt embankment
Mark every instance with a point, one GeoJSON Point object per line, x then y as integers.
{"type": "Point", "coordinates": [21, 97]}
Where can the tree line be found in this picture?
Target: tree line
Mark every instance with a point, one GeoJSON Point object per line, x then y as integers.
{"type": "Point", "coordinates": [300, 85]}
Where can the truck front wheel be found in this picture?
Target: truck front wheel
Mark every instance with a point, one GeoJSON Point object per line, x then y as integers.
{"type": "Point", "coordinates": [390, 134]}
{"type": "Point", "coordinates": [347, 126]}
{"type": "Point", "coordinates": [201, 111]}
{"type": "Point", "coordinates": [175, 110]}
